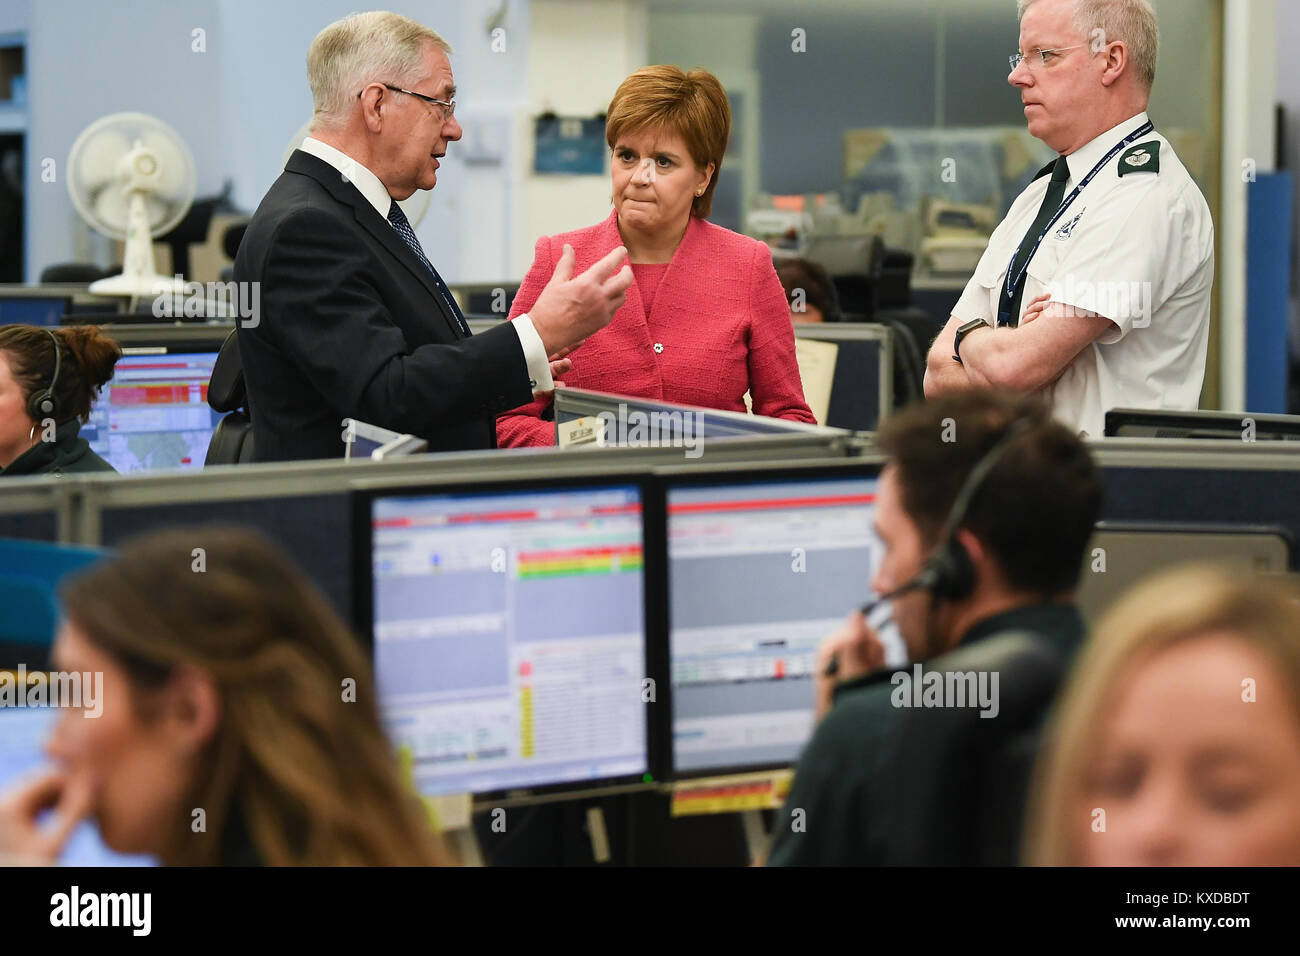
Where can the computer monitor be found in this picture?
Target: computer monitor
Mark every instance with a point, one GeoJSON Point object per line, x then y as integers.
{"type": "Point", "coordinates": [760, 571]}
{"type": "Point", "coordinates": [362, 440]}
{"type": "Point", "coordinates": [1230, 426]}
{"type": "Point", "coordinates": [23, 732]}
{"type": "Point", "coordinates": [154, 413]}
{"type": "Point", "coordinates": [509, 636]}
{"type": "Point", "coordinates": [33, 310]}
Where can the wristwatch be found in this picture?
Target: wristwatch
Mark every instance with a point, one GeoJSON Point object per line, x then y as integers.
{"type": "Point", "coordinates": [962, 332]}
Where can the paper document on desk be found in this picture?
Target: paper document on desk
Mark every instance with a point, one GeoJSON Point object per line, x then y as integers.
{"type": "Point", "coordinates": [817, 370]}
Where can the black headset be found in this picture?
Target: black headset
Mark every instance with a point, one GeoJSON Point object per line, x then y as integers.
{"type": "Point", "coordinates": [948, 573]}
{"type": "Point", "coordinates": [42, 405]}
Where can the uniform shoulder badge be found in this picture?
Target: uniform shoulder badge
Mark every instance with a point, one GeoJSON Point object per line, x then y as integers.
{"type": "Point", "coordinates": [1143, 158]}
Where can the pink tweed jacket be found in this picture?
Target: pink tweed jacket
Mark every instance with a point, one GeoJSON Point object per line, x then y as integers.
{"type": "Point", "coordinates": [720, 326]}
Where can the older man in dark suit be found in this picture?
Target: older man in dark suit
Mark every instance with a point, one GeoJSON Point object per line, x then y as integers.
{"type": "Point", "coordinates": [355, 322]}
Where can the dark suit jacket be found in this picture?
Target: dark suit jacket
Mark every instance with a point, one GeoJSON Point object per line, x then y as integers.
{"type": "Point", "coordinates": [352, 325]}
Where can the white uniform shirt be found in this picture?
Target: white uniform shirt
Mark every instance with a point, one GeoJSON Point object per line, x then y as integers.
{"type": "Point", "coordinates": [1136, 246]}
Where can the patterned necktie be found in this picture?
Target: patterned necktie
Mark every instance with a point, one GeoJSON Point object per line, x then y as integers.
{"type": "Point", "coordinates": [1009, 309]}
{"type": "Point", "coordinates": [403, 227]}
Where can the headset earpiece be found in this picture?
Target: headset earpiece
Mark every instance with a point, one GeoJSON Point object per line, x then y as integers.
{"type": "Point", "coordinates": [43, 405]}
{"type": "Point", "coordinates": [949, 573]}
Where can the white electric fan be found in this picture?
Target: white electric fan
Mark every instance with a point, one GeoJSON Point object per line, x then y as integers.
{"type": "Point", "coordinates": [131, 177]}
{"type": "Point", "coordinates": [414, 205]}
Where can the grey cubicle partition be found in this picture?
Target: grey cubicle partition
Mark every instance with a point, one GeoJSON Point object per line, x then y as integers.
{"type": "Point", "coordinates": [862, 391]}
{"type": "Point", "coordinates": [1122, 553]}
{"type": "Point", "coordinates": [1201, 481]}
{"type": "Point", "coordinates": [187, 334]}
{"type": "Point", "coordinates": [305, 505]}
{"type": "Point", "coordinates": [36, 509]}
{"type": "Point", "coordinates": [663, 422]}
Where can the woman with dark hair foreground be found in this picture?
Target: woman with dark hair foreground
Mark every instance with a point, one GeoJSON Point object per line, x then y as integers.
{"type": "Point", "coordinates": [238, 723]}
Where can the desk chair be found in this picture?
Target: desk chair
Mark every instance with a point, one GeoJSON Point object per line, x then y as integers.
{"type": "Point", "coordinates": [957, 783]}
{"type": "Point", "coordinates": [232, 440]}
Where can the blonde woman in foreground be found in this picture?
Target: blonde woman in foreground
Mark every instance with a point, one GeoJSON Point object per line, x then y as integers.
{"type": "Point", "coordinates": [1177, 741]}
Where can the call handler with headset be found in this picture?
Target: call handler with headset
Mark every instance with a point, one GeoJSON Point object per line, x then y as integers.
{"type": "Point", "coordinates": [49, 380]}
{"type": "Point", "coordinates": [983, 538]}
{"type": "Point", "coordinates": [1095, 288]}
{"type": "Point", "coordinates": [355, 320]}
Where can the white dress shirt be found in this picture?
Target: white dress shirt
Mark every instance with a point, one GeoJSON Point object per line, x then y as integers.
{"type": "Point", "coordinates": [1136, 246]}
{"type": "Point", "coordinates": [376, 193]}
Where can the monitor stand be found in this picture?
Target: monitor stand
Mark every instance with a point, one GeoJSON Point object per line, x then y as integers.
{"type": "Point", "coordinates": [756, 836]}
{"type": "Point", "coordinates": [466, 845]}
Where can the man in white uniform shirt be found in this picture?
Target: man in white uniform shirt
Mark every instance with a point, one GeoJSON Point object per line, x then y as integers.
{"type": "Point", "coordinates": [1095, 288]}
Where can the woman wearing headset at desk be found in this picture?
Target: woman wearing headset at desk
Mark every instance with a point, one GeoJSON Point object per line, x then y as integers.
{"type": "Point", "coordinates": [49, 378]}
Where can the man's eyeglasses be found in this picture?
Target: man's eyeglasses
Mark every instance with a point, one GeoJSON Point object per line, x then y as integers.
{"type": "Point", "coordinates": [448, 109]}
{"type": "Point", "coordinates": [1038, 56]}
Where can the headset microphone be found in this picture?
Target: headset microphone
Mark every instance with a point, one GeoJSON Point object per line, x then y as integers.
{"type": "Point", "coordinates": [922, 582]}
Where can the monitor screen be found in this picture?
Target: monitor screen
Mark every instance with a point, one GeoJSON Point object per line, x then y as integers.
{"type": "Point", "coordinates": [361, 446]}
{"type": "Point", "coordinates": [154, 413]}
{"type": "Point", "coordinates": [759, 573]}
{"type": "Point", "coordinates": [509, 636]}
{"type": "Point", "coordinates": [23, 731]}
{"type": "Point", "coordinates": [23, 310]}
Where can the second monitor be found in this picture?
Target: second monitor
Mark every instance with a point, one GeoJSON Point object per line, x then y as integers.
{"type": "Point", "coordinates": [154, 413]}
{"type": "Point", "coordinates": [759, 572]}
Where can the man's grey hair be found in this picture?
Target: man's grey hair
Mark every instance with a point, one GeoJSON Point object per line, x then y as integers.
{"type": "Point", "coordinates": [364, 48]}
{"type": "Point", "coordinates": [1130, 21]}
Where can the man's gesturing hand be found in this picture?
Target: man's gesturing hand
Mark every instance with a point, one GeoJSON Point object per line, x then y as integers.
{"type": "Point", "coordinates": [571, 307]}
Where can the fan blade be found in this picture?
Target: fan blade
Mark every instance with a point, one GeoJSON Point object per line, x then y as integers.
{"type": "Point", "coordinates": [159, 210]}
{"type": "Point", "coordinates": [174, 164]}
{"type": "Point", "coordinates": [111, 208]}
{"type": "Point", "coordinates": [99, 156]}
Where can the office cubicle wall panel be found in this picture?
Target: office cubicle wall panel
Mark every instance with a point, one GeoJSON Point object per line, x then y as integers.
{"type": "Point", "coordinates": [40, 525]}
{"type": "Point", "coordinates": [1204, 483]}
{"type": "Point", "coordinates": [1203, 495]}
{"type": "Point", "coordinates": [303, 506]}
{"type": "Point", "coordinates": [314, 530]}
{"type": "Point", "coordinates": [862, 389]}
{"type": "Point", "coordinates": [36, 509]}
{"type": "Point", "coordinates": [196, 336]}
{"type": "Point", "coordinates": [1134, 551]}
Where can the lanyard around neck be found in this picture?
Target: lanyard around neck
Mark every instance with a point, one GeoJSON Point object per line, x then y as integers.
{"type": "Point", "coordinates": [1010, 286]}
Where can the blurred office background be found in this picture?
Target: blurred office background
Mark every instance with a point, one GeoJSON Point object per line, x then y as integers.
{"type": "Point", "coordinates": [890, 118]}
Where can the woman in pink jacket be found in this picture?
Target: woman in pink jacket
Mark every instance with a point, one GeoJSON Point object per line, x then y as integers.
{"type": "Point", "coordinates": [706, 319]}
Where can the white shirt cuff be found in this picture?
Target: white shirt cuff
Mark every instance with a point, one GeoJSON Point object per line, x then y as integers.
{"type": "Point", "coordinates": [539, 365]}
